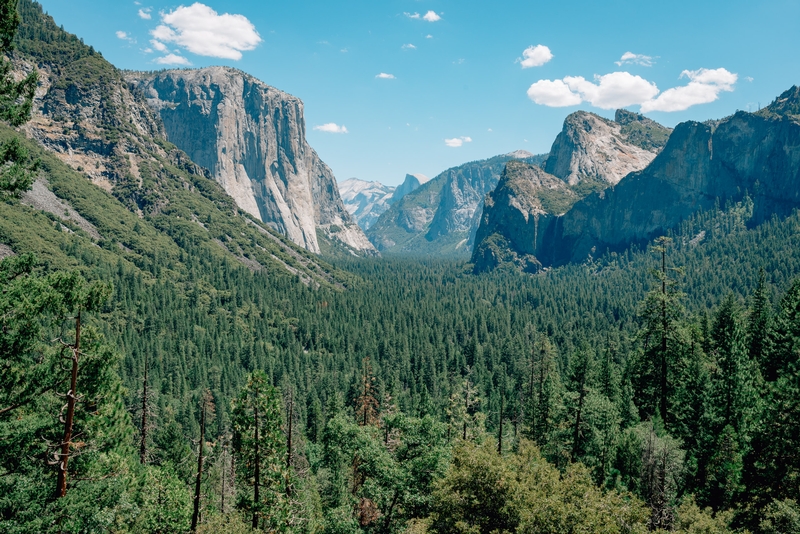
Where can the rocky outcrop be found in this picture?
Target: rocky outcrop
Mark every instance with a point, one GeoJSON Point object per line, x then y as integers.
{"type": "Point", "coordinates": [252, 138]}
{"type": "Point", "coordinates": [702, 165]}
{"type": "Point", "coordinates": [366, 201]}
{"type": "Point", "coordinates": [517, 215]}
{"type": "Point", "coordinates": [591, 148]}
{"type": "Point", "coordinates": [442, 216]}
{"type": "Point", "coordinates": [589, 154]}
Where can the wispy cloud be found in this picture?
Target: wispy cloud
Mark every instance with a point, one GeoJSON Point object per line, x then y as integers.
{"type": "Point", "coordinates": [158, 45]}
{"type": "Point", "coordinates": [385, 76]}
{"type": "Point", "coordinates": [201, 30]}
{"type": "Point", "coordinates": [535, 56]}
{"type": "Point", "coordinates": [408, 46]}
{"type": "Point", "coordinates": [145, 13]}
{"type": "Point", "coordinates": [622, 89]}
{"type": "Point", "coordinates": [331, 127]}
{"type": "Point", "coordinates": [429, 36]}
{"type": "Point", "coordinates": [457, 141]}
{"type": "Point", "coordinates": [430, 16]}
{"type": "Point", "coordinates": [172, 59]}
{"type": "Point", "coordinates": [629, 58]}
{"type": "Point", "coordinates": [125, 37]}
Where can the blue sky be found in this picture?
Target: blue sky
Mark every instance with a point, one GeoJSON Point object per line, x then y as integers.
{"type": "Point", "coordinates": [462, 86]}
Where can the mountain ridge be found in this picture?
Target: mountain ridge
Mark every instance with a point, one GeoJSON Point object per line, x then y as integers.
{"type": "Point", "coordinates": [702, 165]}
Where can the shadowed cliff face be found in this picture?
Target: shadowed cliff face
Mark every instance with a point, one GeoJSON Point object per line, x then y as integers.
{"type": "Point", "coordinates": [252, 138]}
{"type": "Point", "coordinates": [442, 215]}
{"type": "Point", "coordinates": [757, 154]}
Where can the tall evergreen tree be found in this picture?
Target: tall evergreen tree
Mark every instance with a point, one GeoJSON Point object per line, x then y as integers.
{"type": "Point", "coordinates": [260, 449]}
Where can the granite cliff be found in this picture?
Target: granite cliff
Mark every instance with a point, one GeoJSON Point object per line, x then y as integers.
{"type": "Point", "coordinates": [591, 148]}
{"type": "Point", "coordinates": [252, 138]}
{"type": "Point", "coordinates": [103, 142]}
{"type": "Point", "coordinates": [588, 155]}
{"type": "Point", "coordinates": [702, 165]}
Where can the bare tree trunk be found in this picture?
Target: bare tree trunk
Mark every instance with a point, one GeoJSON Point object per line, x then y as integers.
{"type": "Point", "coordinates": [199, 478]}
{"type": "Point", "coordinates": [66, 443]}
{"type": "Point", "coordinates": [224, 459]}
{"type": "Point", "coordinates": [256, 498]}
{"type": "Point", "coordinates": [663, 406]}
{"type": "Point", "coordinates": [289, 433]}
{"type": "Point", "coordinates": [500, 432]}
{"type": "Point", "coordinates": [143, 443]}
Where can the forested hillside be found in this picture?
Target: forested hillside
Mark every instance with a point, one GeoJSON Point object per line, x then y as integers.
{"type": "Point", "coordinates": [184, 369]}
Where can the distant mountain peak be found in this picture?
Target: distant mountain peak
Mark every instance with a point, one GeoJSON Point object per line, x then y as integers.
{"type": "Point", "coordinates": [520, 154]}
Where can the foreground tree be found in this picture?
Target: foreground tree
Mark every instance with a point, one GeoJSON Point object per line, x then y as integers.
{"type": "Point", "coordinates": [260, 451]}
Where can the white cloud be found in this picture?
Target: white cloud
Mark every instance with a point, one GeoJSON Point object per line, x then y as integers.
{"type": "Point", "coordinates": [457, 141]}
{"type": "Point", "coordinates": [622, 89]}
{"type": "Point", "coordinates": [201, 30]}
{"type": "Point", "coordinates": [431, 16]}
{"type": "Point", "coordinates": [429, 36]}
{"type": "Point", "coordinates": [553, 93]}
{"type": "Point", "coordinates": [535, 56]}
{"type": "Point", "coordinates": [125, 37]}
{"type": "Point", "coordinates": [331, 127]}
{"type": "Point", "coordinates": [629, 58]}
{"type": "Point", "coordinates": [614, 90]}
{"type": "Point", "coordinates": [704, 86]}
{"type": "Point", "coordinates": [385, 76]}
{"type": "Point", "coordinates": [145, 14]}
{"type": "Point", "coordinates": [749, 78]}
{"type": "Point", "coordinates": [412, 15]}
{"type": "Point", "coordinates": [172, 59]}
{"type": "Point", "coordinates": [408, 46]}
{"type": "Point", "coordinates": [158, 45]}
{"type": "Point", "coordinates": [343, 50]}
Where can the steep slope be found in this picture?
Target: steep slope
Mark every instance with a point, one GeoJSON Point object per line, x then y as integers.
{"type": "Point", "coordinates": [516, 215]}
{"type": "Point", "coordinates": [441, 217]}
{"type": "Point", "coordinates": [366, 201]}
{"type": "Point", "coordinates": [702, 166]}
{"type": "Point", "coordinates": [588, 155]}
{"type": "Point", "coordinates": [107, 164]}
{"type": "Point", "coordinates": [252, 138]}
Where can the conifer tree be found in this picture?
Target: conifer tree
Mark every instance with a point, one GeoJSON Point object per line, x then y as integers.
{"type": "Point", "coordinates": [661, 340]}
{"type": "Point", "coordinates": [260, 449]}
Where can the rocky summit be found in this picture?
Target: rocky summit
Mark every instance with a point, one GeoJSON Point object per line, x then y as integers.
{"type": "Point", "coordinates": [252, 138]}
{"type": "Point", "coordinates": [591, 148]}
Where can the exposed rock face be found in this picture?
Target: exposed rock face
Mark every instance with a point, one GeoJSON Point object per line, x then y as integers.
{"type": "Point", "coordinates": [366, 201]}
{"type": "Point", "coordinates": [411, 183]}
{"type": "Point", "coordinates": [589, 154]}
{"type": "Point", "coordinates": [592, 148]}
{"type": "Point", "coordinates": [516, 216]}
{"type": "Point", "coordinates": [252, 138]}
{"type": "Point", "coordinates": [442, 216]}
{"type": "Point", "coordinates": [702, 164]}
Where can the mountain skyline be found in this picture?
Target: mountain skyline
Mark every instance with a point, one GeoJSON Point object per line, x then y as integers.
{"type": "Point", "coordinates": [383, 99]}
